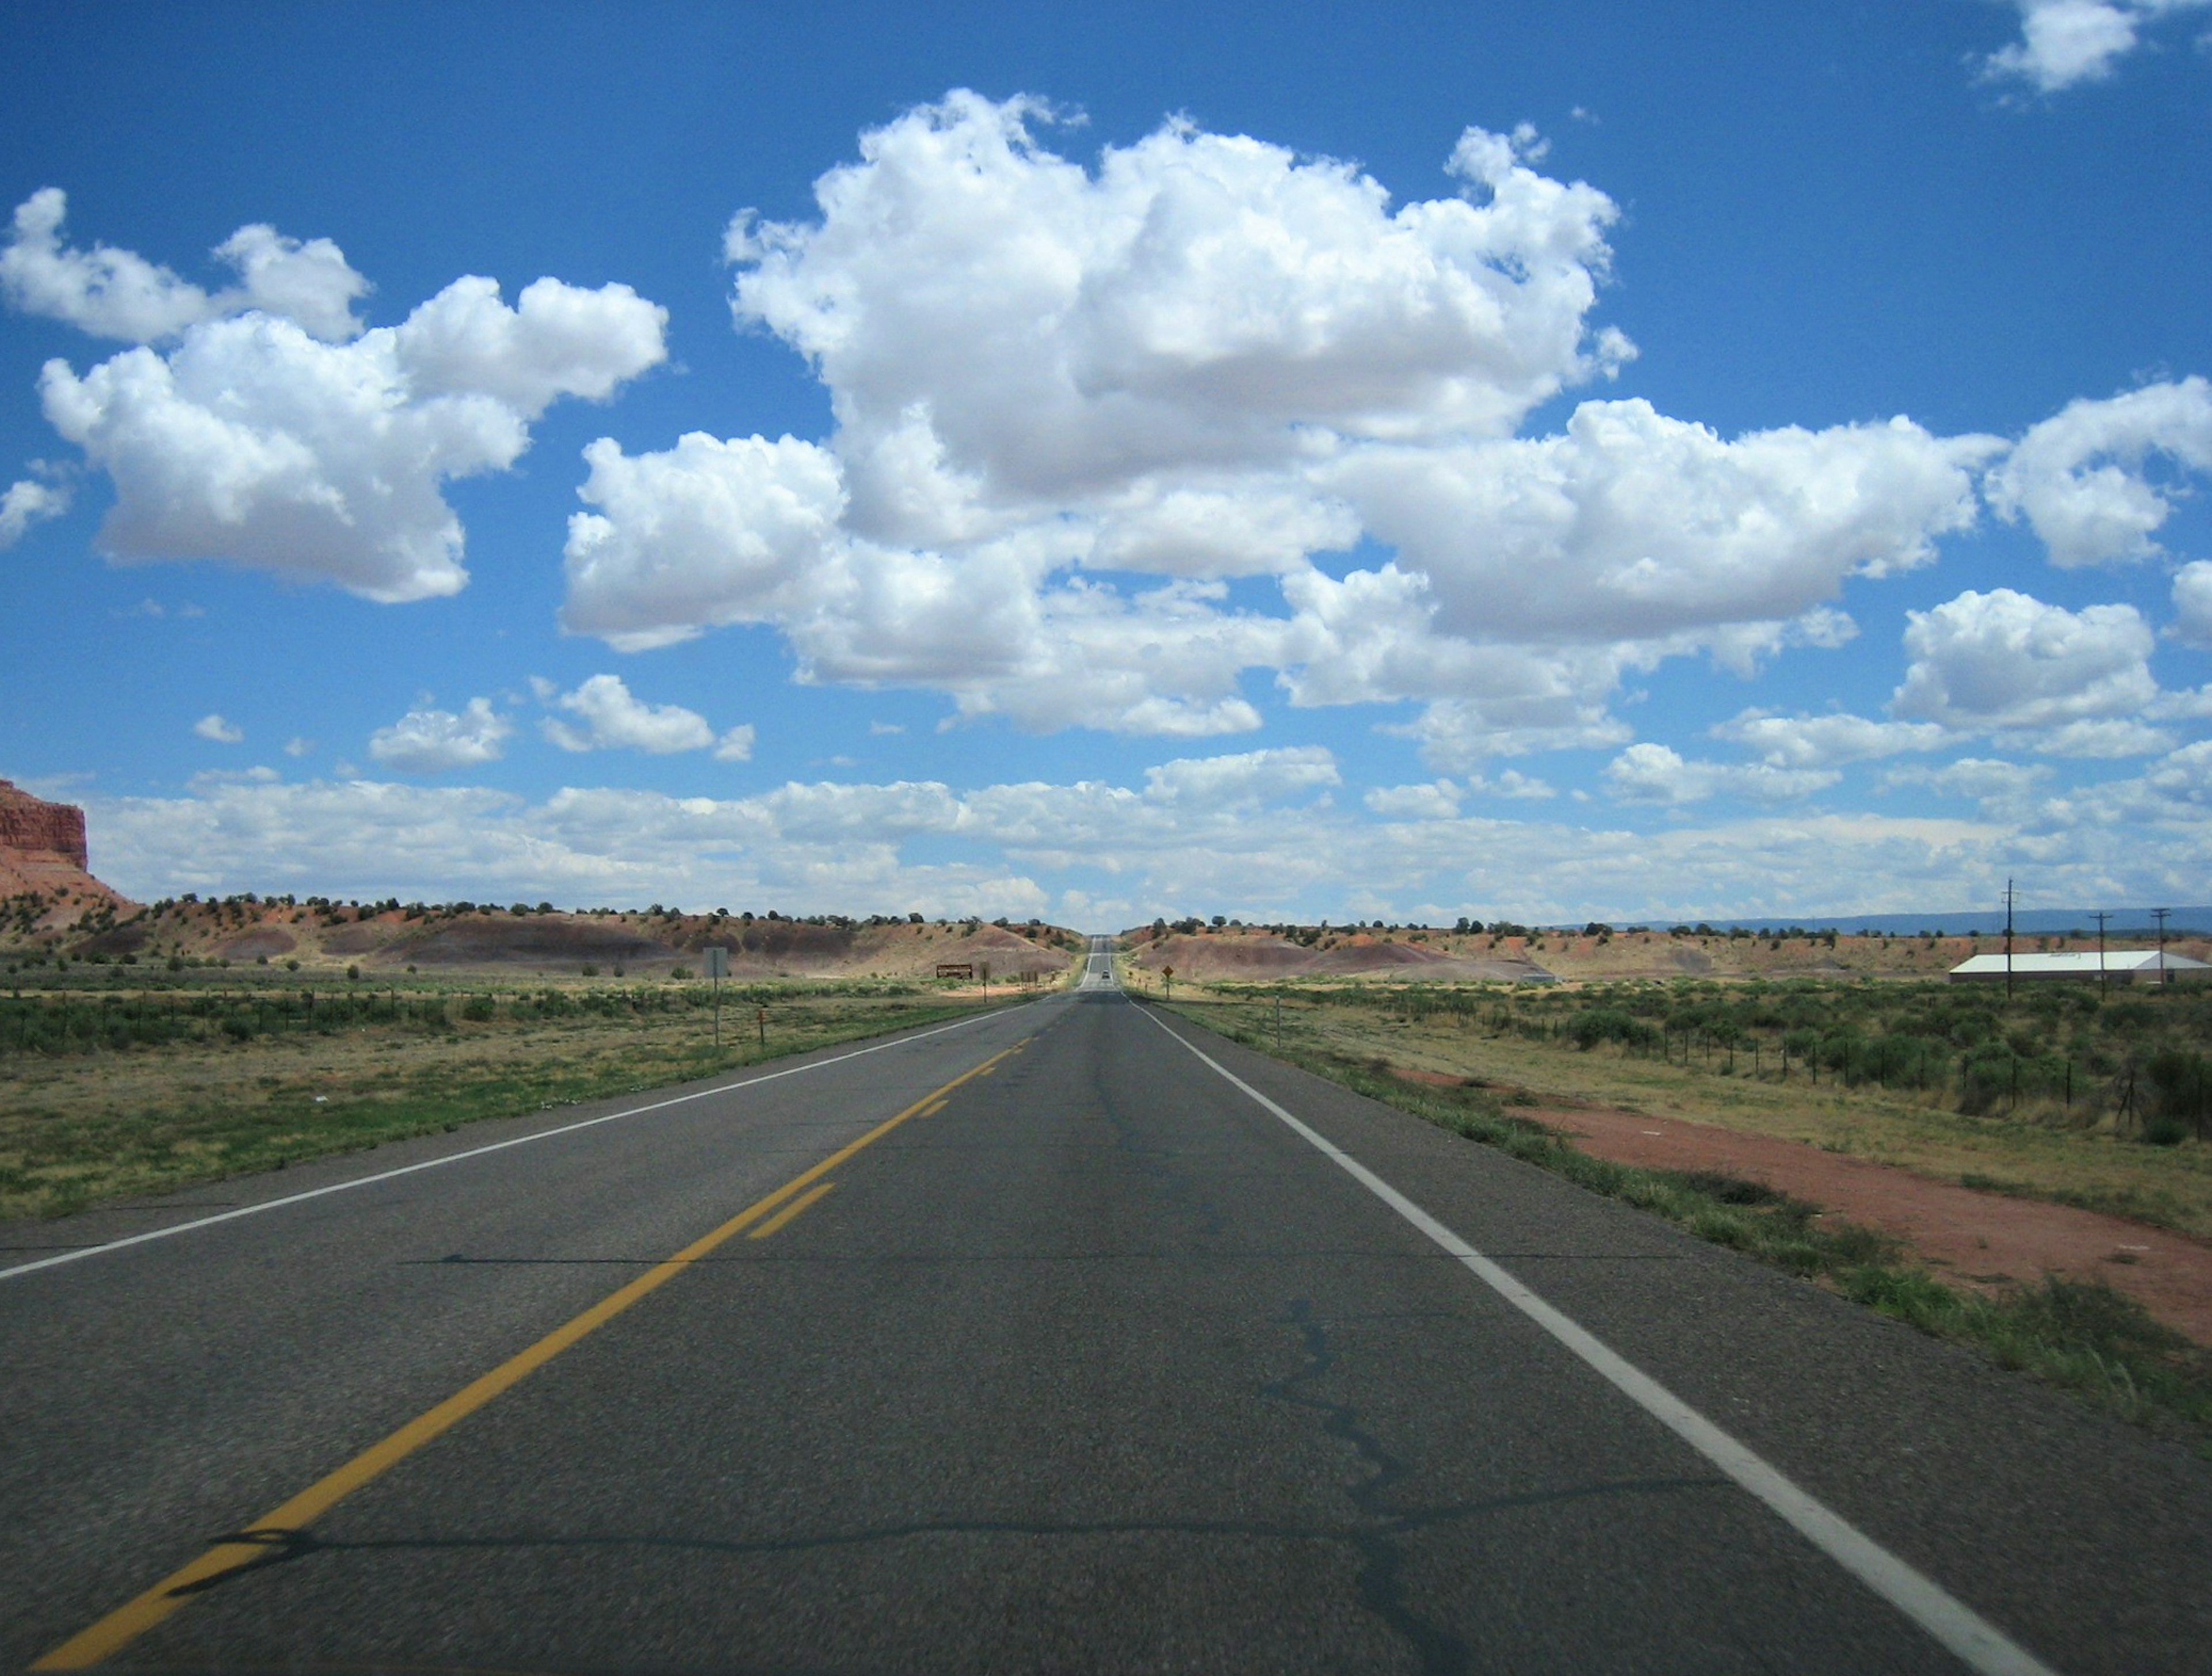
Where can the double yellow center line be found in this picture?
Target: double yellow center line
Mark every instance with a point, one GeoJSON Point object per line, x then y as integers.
{"type": "Point", "coordinates": [103, 1640]}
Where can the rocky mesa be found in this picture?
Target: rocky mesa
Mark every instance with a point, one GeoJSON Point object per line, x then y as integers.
{"type": "Point", "coordinates": [43, 856]}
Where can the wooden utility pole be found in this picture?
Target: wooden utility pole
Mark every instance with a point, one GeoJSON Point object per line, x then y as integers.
{"type": "Point", "coordinates": [2101, 917]}
{"type": "Point", "coordinates": [2008, 940]}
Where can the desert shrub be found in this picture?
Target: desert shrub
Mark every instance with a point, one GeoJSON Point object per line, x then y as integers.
{"type": "Point", "coordinates": [2180, 1096]}
{"type": "Point", "coordinates": [1611, 1024]}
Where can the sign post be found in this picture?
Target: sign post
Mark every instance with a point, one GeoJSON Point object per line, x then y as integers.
{"type": "Point", "coordinates": [1167, 974]}
{"type": "Point", "coordinates": [718, 968]}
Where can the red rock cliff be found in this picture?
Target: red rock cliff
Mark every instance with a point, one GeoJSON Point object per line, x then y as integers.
{"type": "Point", "coordinates": [31, 824]}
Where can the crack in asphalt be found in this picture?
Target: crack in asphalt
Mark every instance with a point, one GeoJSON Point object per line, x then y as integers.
{"type": "Point", "coordinates": [1381, 1584]}
{"type": "Point", "coordinates": [277, 1546]}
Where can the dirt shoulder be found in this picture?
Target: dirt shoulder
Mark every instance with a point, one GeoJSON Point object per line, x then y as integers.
{"type": "Point", "coordinates": [1985, 1202]}
{"type": "Point", "coordinates": [1982, 1240]}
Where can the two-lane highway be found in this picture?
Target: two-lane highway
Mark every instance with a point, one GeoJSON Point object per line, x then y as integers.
{"type": "Point", "coordinates": [1070, 1338]}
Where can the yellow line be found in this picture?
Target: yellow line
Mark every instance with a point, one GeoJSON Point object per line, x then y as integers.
{"type": "Point", "coordinates": [788, 1211]}
{"type": "Point", "coordinates": [103, 1640]}
{"type": "Point", "coordinates": [932, 1111]}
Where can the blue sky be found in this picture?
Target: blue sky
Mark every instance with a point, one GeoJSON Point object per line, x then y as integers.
{"type": "Point", "coordinates": [1402, 462]}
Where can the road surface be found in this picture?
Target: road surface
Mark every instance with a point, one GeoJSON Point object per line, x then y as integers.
{"type": "Point", "coordinates": [1068, 1338]}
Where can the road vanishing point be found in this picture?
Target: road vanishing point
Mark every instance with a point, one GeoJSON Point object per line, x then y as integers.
{"type": "Point", "coordinates": [1066, 1337]}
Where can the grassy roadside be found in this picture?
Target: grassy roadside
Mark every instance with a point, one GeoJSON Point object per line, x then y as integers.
{"type": "Point", "coordinates": [82, 1130]}
{"type": "Point", "coordinates": [2085, 1338]}
{"type": "Point", "coordinates": [2036, 1151]}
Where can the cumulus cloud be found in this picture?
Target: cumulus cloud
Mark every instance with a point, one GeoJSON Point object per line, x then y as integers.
{"type": "Point", "coordinates": [26, 503]}
{"type": "Point", "coordinates": [1436, 800]}
{"type": "Point", "coordinates": [1198, 298]}
{"type": "Point", "coordinates": [2080, 479]}
{"type": "Point", "coordinates": [613, 719]}
{"type": "Point", "coordinates": [1242, 780]}
{"type": "Point", "coordinates": [2014, 792]}
{"type": "Point", "coordinates": [2192, 605]}
{"type": "Point", "coordinates": [1988, 778]}
{"type": "Point", "coordinates": [1511, 782]}
{"type": "Point", "coordinates": [275, 435]}
{"type": "Point", "coordinates": [2005, 661]}
{"type": "Point", "coordinates": [1652, 773]}
{"type": "Point", "coordinates": [704, 534]}
{"type": "Point", "coordinates": [2108, 736]}
{"type": "Point", "coordinates": [1822, 742]}
{"type": "Point", "coordinates": [1206, 358]}
{"type": "Point", "coordinates": [437, 741]}
{"type": "Point", "coordinates": [2065, 42]}
{"type": "Point", "coordinates": [118, 293]}
{"type": "Point", "coordinates": [712, 533]}
{"type": "Point", "coordinates": [1019, 848]}
{"type": "Point", "coordinates": [1630, 525]}
{"type": "Point", "coordinates": [213, 726]}
{"type": "Point", "coordinates": [1038, 369]}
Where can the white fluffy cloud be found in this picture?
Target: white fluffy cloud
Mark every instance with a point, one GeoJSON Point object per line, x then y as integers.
{"type": "Point", "coordinates": [2192, 605]}
{"type": "Point", "coordinates": [118, 293]}
{"type": "Point", "coordinates": [2079, 477]}
{"type": "Point", "coordinates": [1434, 800]}
{"type": "Point", "coordinates": [273, 435]}
{"type": "Point", "coordinates": [1649, 773]}
{"type": "Point", "coordinates": [2005, 661]}
{"type": "Point", "coordinates": [1511, 782]}
{"type": "Point", "coordinates": [712, 533]}
{"type": "Point", "coordinates": [613, 719]}
{"type": "Point", "coordinates": [1038, 369]}
{"type": "Point", "coordinates": [437, 741]}
{"type": "Point", "coordinates": [26, 503]}
{"type": "Point", "coordinates": [1632, 526]}
{"type": "Point", "coordinates": [1822, 742]}
{"type": "Point", "coordinates": [1243, 780]}
{"type": "Point", "coordinates": [2064, 42]}
{"type": "Point", "coordinates": [1105, 855]}
{"type": "Point", "coordinates": [213, 727]}
{"type": "Point", "coordinates": [1199, 298]}
{"type": "Point", "coordinates": [1205, 358]}
{"type": "Point", "coordinates": [702, 535]}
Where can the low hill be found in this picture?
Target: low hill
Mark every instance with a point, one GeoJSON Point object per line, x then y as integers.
{"type": "Point", "coordinates": [1419, 954]}
{"type": "Point", "coordinates": [467, 937]}
{"type": "Point", "coordinates": [1208, 957]}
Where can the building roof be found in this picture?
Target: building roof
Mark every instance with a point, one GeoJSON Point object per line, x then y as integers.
{"type": "Point", "coordinates": [2074, 964]}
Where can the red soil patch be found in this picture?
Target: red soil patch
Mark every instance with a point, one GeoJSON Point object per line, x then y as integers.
{"type": "Point", "coordinates": [1980, 1240]}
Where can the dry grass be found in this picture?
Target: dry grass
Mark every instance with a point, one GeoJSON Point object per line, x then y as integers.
{"type": "Point", "coordinates": [2034, 1151]}
{"type": "Point", "coordinates": [82, 1128]}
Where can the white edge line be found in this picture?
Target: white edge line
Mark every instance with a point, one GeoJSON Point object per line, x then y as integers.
{"type": "Point", "coordinates": [82, 1251]}
{"type": "Point", "coordinates": [1977, 1643]}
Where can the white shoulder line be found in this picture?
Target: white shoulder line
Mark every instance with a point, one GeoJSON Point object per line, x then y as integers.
{"type": "Point", "coordinates": [1978, 1642]}
{"type": "Point", "coordinates": [84, 1252]}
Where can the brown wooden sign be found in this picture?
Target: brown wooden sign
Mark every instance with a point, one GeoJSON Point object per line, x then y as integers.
{"type": "Point", "coordinates": [955, 969]}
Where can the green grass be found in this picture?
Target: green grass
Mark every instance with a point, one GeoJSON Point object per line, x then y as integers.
{"type": "Point", "coordinates": [80, 1130]}
{"type": "Point", "coordinates": [2082, 1337]}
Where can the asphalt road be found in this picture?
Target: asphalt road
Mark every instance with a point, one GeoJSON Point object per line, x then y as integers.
{"type": "Point", "coordinates": [1093, 1361]}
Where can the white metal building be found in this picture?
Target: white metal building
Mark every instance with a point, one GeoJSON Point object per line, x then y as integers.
{"type": "Point", "coordinates": [2121, 966]}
